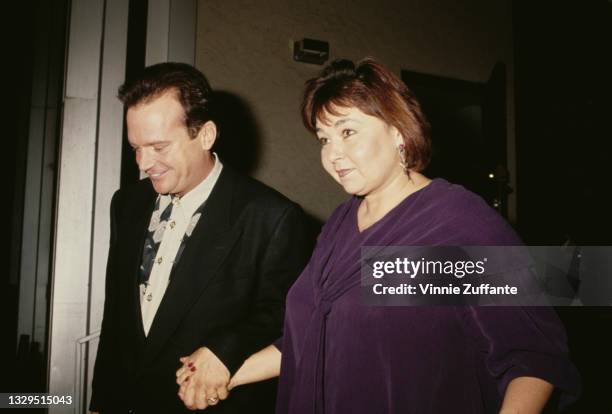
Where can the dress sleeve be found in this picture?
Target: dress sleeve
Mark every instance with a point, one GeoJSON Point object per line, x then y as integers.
{"type": "Point", "coordinates": [524, 341]}
{"type": "Point", "coordinates": [279, 344]}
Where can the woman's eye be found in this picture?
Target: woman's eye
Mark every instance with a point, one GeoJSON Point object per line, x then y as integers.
{"type": "Point", "coordinates": [347, 132]}
{"type": "Point", "coordinates": [323, 140]}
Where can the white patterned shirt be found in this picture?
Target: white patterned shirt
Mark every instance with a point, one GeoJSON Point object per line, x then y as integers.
{"type": "Point", "coordinates": [181, 222]}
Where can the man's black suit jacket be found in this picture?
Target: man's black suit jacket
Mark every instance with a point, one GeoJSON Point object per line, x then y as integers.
{"type": "Point", "coordinates": [227, 293]}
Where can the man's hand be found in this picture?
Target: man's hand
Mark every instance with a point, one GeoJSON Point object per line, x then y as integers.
{"type": "Point", "coordinates": [203, 379]}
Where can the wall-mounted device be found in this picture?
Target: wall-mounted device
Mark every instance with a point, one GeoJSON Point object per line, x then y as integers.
{"type": "Point", "coordinates": [311, 51]}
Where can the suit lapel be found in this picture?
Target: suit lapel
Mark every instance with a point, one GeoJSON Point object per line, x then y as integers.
{"type": "Point", "coordinates": [204, 252]}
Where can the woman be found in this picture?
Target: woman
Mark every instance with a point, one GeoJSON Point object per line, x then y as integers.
{"type": "Point", "coordinates": [340, 356]}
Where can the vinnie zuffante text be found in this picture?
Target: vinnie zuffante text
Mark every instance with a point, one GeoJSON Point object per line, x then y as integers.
{"type": "Point", "coordinates": [456, 269]}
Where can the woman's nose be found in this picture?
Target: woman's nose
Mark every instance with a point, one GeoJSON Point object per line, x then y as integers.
{"type": "Point", "coordinates": [335, 152]}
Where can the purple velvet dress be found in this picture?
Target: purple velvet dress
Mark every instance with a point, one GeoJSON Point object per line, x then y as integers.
{"type": "Point", "coordinates": [341, 356]}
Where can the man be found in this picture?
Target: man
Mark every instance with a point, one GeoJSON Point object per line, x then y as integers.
{"type": "Point", "coordinates": [200, 259]}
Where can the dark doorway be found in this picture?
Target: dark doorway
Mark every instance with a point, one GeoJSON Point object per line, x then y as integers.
{"type": "Point", "coordinates": [468, 128]}
{"type": "Point", "coordinates": [35, 34]}
{"type": "Point", "coordinates": [135, 63]}
{"type": "Point", "coordinates": [564, 151]}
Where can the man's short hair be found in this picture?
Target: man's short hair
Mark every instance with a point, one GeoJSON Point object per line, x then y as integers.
{"type": "Point", "coordinates": [190, 85]}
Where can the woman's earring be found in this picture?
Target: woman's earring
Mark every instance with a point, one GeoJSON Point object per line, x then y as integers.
{"type": "Point", "coordinates": [401, 148]}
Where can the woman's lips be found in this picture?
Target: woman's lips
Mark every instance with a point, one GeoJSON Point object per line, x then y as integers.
{"type": "Point", "coordinates": [344, 172]}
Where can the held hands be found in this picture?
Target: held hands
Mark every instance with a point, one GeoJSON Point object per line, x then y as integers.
{"type": "Point", "coordinates": [203, 379]}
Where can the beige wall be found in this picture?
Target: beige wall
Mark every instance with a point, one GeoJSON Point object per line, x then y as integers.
{"type": "Point", "coordinates": [245, 47]}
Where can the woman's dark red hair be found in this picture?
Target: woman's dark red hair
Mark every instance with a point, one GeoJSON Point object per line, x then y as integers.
{"type": "Point", "coordinates": [375, 91]}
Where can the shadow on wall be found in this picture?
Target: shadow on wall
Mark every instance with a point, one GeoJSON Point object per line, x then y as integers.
{"type": "Point", "coordinates": [239, 139]}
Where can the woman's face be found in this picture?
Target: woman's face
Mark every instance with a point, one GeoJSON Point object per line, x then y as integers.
{"type": "Point", "coordinates": [359, 151]}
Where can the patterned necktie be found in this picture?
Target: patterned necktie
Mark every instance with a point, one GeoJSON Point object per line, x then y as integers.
{"type": "Point", "coordinates": [155, 234]}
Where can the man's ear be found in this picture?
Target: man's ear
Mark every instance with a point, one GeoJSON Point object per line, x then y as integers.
{"type": "Point", "coordinates": [208, 135]}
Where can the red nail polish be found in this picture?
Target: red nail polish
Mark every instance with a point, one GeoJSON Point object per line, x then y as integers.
{"type": "Point", "coordinates": [193, 368]}
{"type": "Point", "coordinates": [190, 364]}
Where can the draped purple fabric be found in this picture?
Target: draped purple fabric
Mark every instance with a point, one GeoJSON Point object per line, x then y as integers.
{"type": "Point", "coordinates": [340, 356]}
